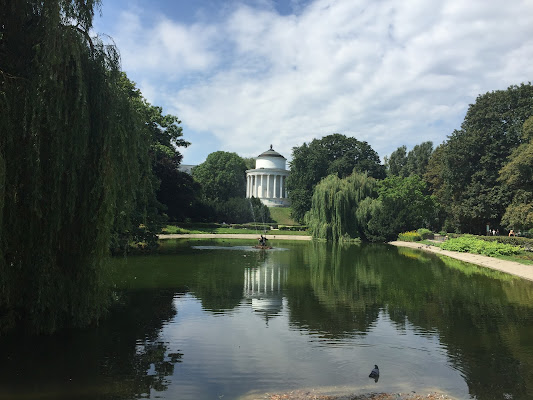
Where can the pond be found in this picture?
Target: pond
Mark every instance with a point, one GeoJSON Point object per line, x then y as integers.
{"type": "Point", "coordinates": [218, 319]}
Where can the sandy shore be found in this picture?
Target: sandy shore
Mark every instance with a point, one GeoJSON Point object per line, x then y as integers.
{"type": "Point", "coordinates": [510, 267]}
{"type": "Point", "coordinates": [318, 394]}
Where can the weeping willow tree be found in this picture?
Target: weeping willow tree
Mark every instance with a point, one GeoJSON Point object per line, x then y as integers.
{"type": "Point", "coordinates": [334, 204]}
{"type": "Point", "coordinates": [73, 156]}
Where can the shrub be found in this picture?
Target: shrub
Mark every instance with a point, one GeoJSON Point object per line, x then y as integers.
{"type": "Point", "coordinates": [470, 244]}
{"type": "Point", "coordinates": [294, 228]}
{"type": "Point", "coordinates": [411, 236]}
{"type": "Point", "coordinates": [425, 233]}
{"type": "Point", "coordinates": [524, 242]}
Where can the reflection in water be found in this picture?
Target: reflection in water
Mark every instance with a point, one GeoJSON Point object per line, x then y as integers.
{"type": "Point", "coordinates": [185, 326]}
{"type": "Point", "coordinates": [263, 288]}
{"type": "Point", "coordinates": [121, 359]}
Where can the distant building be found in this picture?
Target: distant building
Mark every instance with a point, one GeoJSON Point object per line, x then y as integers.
{"type": "Point", "coordinates": [267, 181]}
{"type": "Point", "coordinates": [186, 168]}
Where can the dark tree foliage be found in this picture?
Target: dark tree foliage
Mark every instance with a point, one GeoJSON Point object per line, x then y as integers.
{"type": "Point", "coordinates": [333, 154]}
{"type": "Point", "coordinates": [171, 191]}
{"type": "Point", "coordinates": [236, 210]}
{"type": "Point", "coordinates": [250, 162]}
{"type": "Point", "coordinates": [72, 157]}
{"type": "Point", "coordinates": [396, 162]}
{"type": "Point", "coordinates": [222, 176]}
{"type": "Point", "coordinates": [418, 159]}
{"type": "Point", "coordinates": [402, 205]}
{"type": "Point", "coordinates": [517, 174]}
{"type": "Point", "coordinates": [401, 163]}
{"type": "Point", "coordinates": [474, 155]}
{"type": "Point", "coordinates": [178, 191]}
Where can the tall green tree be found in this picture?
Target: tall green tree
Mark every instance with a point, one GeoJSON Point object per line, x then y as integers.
{"type": "Point", "coordinates": [418, 159]}
{"type": "Point", "coordinates": [162, 187]}
{"type": "Point", "coordinates": [222, 176]}
{"type": "Point", "coordinates": [517, 174]}
{"type": "Point", "coordinates": [396, 162]}
{"type": "Point", "coordinates": [175, 190]}
{"type": "Point", "coordinates": [334, 204]}
{"type": "Point", "coordinates": [333, 154]}
{"type": "Point", "coordinates": [401, 163]}
{"type": "Point", "coordinates": [403, 204]}
{"type": "Point", "coordinates": [72, 157]}
{"type": "Point", "coordinates": [250, 162]}
{"type": "Point", "coordinates": [474, 155]}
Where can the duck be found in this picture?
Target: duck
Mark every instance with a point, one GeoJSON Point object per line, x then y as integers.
{"type": "Point", "coordinates": [375, 373]}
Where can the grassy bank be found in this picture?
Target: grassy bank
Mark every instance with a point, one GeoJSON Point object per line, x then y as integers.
{"type": "Point", "coordinates": [523, 256]}
{"type": "Point", "coordinates": [172, 229]}
{"type": "Point", "coordinates": [282, 215]}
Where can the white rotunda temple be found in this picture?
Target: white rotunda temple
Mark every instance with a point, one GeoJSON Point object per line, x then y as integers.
{"type": "Point", "coordinates": [267, 180]}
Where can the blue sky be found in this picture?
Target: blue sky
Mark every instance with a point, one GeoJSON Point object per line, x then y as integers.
{"type": "Point", "coordinates": [244, 74]}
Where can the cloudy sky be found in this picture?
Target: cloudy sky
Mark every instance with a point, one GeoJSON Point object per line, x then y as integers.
{"type": "Point", "coordinates": [244, 74]}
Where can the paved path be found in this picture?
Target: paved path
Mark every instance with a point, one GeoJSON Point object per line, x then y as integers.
{"type": "Point", "coordinates": [231, 236]}
{"type": "Point", "coordinates": [509, 267]}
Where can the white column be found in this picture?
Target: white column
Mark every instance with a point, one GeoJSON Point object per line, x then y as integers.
{"type": "Point", "coordinates": [282, 186]}
{"type": "Point", "coordinates": [275, 186]}
{"type": "Point", "coordinates": [268, 186]}
{"type": "Point", "coordinates": [247, 186]}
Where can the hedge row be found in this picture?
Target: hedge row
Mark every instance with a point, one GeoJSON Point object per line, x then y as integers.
{"type": "Point", "coordinates": [293, 228]}
{"type": "Point", "coordinates": [472, 244]}
{"type": "Point", "coordinates": [523, 242]}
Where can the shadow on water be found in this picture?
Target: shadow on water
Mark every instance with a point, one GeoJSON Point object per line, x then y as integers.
{"type": "Point", "coordinates": [372, 301]}
{"type": "Point", "coordinates": [121, 359]}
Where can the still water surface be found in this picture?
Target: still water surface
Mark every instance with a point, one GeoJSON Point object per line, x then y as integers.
{"type": "Point", "coordinates": [210, 320]}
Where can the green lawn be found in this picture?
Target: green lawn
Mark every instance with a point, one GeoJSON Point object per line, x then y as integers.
{"type": "Point", "coordinates": [282, 215]}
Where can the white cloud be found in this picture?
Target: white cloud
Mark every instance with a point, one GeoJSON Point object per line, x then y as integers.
{"type": "Point", "coordinates": [166, 48]}
{"type": "Point", "coordinates": [387, 72]}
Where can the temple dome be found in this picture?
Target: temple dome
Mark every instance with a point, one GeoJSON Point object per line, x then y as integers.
{"type": "Point", "coordinates": [267, 181]}
{"type": "Point", "coordinates": [271, 153]}
{"type": "Point", "coordinates": [270, 159]}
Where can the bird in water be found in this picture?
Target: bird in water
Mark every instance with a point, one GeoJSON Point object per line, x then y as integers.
{"type": "Point", "coordinates": [375, 373]}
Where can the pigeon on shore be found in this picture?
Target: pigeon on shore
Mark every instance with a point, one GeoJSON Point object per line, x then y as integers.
{"type": "Point", "coordinates": [375, 373]}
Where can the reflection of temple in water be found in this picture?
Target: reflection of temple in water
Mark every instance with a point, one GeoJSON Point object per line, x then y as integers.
{"type": "Point", "coordinates": [263, 289]}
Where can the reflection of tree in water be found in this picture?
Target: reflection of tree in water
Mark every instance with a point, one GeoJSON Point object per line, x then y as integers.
{"type": "Point", "coordinates": [480, 317]}
{"type": "Point", "coordinates": [326, 297]}
{"type": "Point", "coordinates": [484, 321]}
{"type": "Point", "coordinates": [218, 280]}
{"type": "Point", "coordinates": [143, 356]}
{"type": "Point", "coordinates": [121, 359]}
{"type": "Point", "coordinates": [483, 318]}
